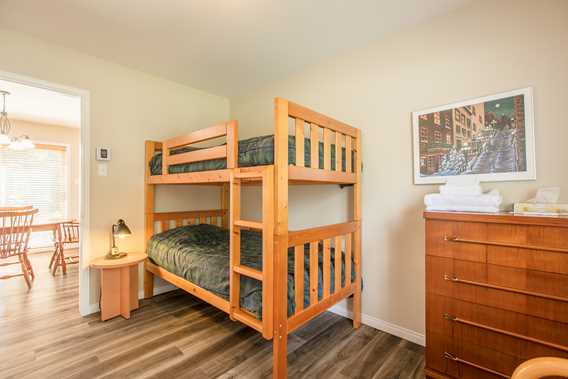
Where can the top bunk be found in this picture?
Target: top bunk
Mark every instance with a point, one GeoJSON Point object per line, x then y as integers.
{"type": "Point", "coordinates": [317, 149]}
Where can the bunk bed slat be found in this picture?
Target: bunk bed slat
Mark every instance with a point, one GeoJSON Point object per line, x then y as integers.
{"type": "Point", "coordinates": [347, 154]}
{"type": "Point", "coordinates": [299, 277]}
{"type": "Point", "coordinates": [337, 258]}
{"type": "Point", "coordinates": [208, 154]}
{"type": "Point", "coordinates": [338, 152]}
{"type": "Point", "coordinates": [314, 146]}
{"type": "Point", "coordinates": [313, 272]}
{"type": "Point", "coordinates": [326, 267]}
{"type": "Point", "coordinates": [196, 136]}
{"type": "Point", "coordinates": [348, 260]}
{"type": "Point", "coordinates": [326, 149]}
{"type": "Point", "coordinates": [247, 271]}
{"type": "Point", "coordinates": [300, 155]}
{"type": "Point", "coordinates": [248, 224]}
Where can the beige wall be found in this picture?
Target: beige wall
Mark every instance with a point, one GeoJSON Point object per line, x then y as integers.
{"type": "Point", "coordinates": [126, 108]}
{"type": "Point", "coordinates": [485, 48]}
{"type": "Point", "coordinates": [57, 134]}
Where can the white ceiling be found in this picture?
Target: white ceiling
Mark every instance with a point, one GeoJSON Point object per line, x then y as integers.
{"type": "Point", "coordinates": [41, 105]}
{"type": "Point", "coordinates": [222, 46]}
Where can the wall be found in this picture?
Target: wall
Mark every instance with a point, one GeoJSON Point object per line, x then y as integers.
{"type": "Point", "coordinates": [484, 48]}
{"type": "Point", "coordinates": [126, 108]}
{"type": "Point", "coordinates": [58, 134]}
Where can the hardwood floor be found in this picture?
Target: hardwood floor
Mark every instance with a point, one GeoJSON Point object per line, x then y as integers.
{"type": "Point", "coordinates": [174, 335]}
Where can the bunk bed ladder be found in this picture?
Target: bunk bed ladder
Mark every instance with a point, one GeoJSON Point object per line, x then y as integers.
{"type": "Point", "coordinates": [265, 175]}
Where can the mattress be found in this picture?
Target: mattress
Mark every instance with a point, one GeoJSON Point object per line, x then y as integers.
{"type": "Point", "coordinates": [256, 151]}
{"type": "Point", "coordinates": [200, 254]}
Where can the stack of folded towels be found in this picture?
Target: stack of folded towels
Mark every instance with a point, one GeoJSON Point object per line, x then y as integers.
{"type": "Point", "coordinates": [463, 196]}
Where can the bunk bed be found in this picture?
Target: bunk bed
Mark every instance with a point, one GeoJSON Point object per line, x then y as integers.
{"type": "Point", "coordinates": [259, 272]}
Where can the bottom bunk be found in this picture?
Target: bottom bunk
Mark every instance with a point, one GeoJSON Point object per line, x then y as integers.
{"type": "Point", "coordinates": [199, 254]}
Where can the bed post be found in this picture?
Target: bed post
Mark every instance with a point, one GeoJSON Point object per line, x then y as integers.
{"type": "Point", "coordinates": [150, 148]}
{"type": "Point", "coordinates": [357, 234]}
{"type": "Point", "coordinates": [280, 335]}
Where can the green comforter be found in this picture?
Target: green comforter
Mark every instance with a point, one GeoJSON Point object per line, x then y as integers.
{"type": "Point", "coordinates": [256, 151]}
{"type": "Point", "coordinates": [200, 254]}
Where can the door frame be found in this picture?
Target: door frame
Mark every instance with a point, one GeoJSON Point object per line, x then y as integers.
{"type": "Point", "coordinates": [85, 306]}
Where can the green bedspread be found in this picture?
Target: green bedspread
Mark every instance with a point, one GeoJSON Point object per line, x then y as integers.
{"type": "Point", "coordinates": [200, 254]}
{"type": "Point", "coordinates": [256, 151]}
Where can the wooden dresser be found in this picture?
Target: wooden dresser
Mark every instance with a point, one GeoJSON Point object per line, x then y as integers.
{"type": "Point", "coordinates": [496, 292]}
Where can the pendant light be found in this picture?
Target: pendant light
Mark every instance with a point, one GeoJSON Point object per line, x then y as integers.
{"type": "Point", "coordinates": [5, 125]}
{"type": "Point", "coordinates": [16, 143]}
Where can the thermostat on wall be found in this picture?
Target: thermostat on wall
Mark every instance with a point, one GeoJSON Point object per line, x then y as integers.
{"type": "Point", "coordinates": [103, 154]}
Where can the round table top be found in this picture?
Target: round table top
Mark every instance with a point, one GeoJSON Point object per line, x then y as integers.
{"type": "Point", "coordinates": [130, 260]}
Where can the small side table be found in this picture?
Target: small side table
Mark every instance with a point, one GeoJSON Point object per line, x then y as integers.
{"type": "Point", "coordinates": [119, 284]}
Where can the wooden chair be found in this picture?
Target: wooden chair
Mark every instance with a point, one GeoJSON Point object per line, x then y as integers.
{"type": "Point", "coordinates": [15, 229]}
{"type": "Point", "coordinates": [541, 367]}
{"type": "Point", "coordinates": [67, 235]}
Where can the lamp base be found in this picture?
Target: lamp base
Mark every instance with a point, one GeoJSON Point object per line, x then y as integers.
{"type": "Point", "coordinates": [115, 256]}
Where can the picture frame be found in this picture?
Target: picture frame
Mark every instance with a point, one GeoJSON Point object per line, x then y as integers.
{"type": "Point", "coordinates": [489, 137]}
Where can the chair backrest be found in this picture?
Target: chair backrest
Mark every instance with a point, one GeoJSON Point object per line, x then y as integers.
{"type": "Point", "coordinates": [18, 208]}
{"type": "Point", "coordinates": [15, 229]}
{"type": "Point", "coordinates": [541, 367]}
{"type": "Point", "coordinates": [69, 232]}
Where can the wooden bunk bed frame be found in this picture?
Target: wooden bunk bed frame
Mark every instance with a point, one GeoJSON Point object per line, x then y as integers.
{"type": "Point", "coordinates": [276, 238]}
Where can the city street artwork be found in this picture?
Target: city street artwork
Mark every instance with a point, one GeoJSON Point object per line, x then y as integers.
{"type": "Point", "coordinates": [490, 137]}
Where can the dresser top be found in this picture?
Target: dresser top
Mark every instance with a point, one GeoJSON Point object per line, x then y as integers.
{"type": "Point", "coordinates": [498, 218]}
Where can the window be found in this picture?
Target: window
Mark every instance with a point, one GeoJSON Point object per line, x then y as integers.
{"type": "Point", "coordinates": [36, 177]}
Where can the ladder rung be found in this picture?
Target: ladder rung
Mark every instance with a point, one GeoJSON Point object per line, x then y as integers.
{"type": "Point", "coordinates": [248, 175]}
{"type": "Point", "coordinates": [247, 271]}
{"type": "Point", "coordinates": [248, 320]}
{"type": "Point", "coordinates": [248, 224]}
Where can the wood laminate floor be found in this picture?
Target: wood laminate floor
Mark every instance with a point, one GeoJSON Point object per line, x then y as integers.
{"type": "Point", "coordinates": [175, 335]}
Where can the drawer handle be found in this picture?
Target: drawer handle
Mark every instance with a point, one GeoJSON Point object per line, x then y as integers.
{"type": "Point", "coordinates": [503, 244]}
{"type": "Point", "coordinates": [454, 279]}
{"type": "Point", "coordinates": [501, 331]}
{"type": "Point", "coordinates": [462, 361]}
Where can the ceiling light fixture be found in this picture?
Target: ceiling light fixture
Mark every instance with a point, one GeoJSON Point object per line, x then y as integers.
{"type": "Point", "coordinates": [16, 143]}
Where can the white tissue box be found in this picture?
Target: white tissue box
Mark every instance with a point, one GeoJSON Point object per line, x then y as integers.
{"type": "Point", "coordinates": [546, 209]}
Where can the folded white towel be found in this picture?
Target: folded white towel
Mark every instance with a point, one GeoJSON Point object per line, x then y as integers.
{"type": "Point", "coordinates": [461, 190]}
{"type": "Point", "coordinates": [487, 202]}
{"type": "Point", "coordinates": [465, 208]}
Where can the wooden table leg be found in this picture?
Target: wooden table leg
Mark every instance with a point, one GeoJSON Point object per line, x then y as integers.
{"type": "Point", "coordinates": [125, 292]}
{"type": "Point", "coordinates": [134, 287]}
{"type": "Point", "coordinates": [110, 293]}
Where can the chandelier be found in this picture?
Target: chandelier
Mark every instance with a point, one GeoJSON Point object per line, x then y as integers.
{"type": "Point", "coordinates": [14, 143]}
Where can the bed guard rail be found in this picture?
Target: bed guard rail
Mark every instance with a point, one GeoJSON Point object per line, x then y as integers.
{"type": "Point", "coordinates": [229, 150]}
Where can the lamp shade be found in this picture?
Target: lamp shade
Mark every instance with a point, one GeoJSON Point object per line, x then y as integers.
{"type": "Point", "coordinates": [121, 229]}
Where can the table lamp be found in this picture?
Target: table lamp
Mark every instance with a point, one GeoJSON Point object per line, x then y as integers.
{"type": "Point", "coordinates": [120, 230]}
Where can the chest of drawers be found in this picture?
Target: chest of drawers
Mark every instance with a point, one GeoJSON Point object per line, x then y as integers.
{"type": "Point", "coordinates": [496, 292]}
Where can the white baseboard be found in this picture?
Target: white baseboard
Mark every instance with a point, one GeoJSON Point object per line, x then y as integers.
{"type": "Point", "coordinates": [385, 326]}
{"type": "Point", "coordinates": [158, 290]}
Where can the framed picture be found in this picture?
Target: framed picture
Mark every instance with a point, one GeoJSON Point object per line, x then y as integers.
{"type": "Point", "coordinates": [490, 137]}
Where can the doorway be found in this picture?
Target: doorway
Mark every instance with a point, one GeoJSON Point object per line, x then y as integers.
{"type": "Point", "coordinates": [50, 173]}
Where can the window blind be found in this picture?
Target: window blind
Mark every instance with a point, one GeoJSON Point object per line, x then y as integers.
{"type": "Point", "coordinates": [36, 177]}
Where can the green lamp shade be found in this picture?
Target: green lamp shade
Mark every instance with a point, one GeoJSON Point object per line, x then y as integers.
{"type": "Point", "coordinates": [121, 229]}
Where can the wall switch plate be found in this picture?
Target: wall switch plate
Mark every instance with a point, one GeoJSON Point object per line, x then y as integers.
{"type": "Point", "coordinates": [102, 169]}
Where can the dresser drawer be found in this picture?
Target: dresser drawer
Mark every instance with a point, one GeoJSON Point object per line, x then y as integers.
{"type": "Point", "coordinates": [512, 333]}
{"type": "Point", "coordinates": [482, 284]}
{"type": "Point", "coordinates": [529, 247]}
{"type": "Point", "coordinates": [489, 341]}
